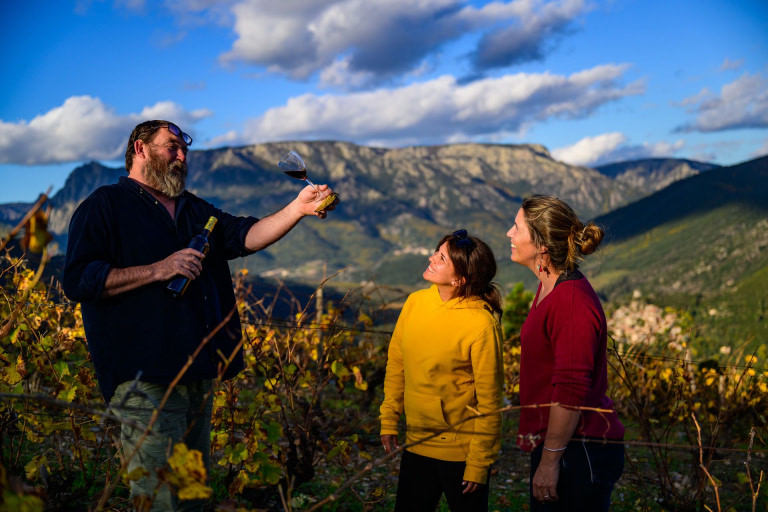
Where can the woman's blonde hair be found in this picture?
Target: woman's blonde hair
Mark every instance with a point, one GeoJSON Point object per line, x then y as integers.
{"type": "Point", "coordinates": [554, 225]}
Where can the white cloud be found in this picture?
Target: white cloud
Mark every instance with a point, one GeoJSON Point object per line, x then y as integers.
{"type": "Point", "coordinates": [729, 64]}
{"type": "Point", "coordinates": [280, 36]}
{"type": "Point", "coordinates": [195, 5]}
{"type": "Point", "coordinates": [185, 12]}
{"type": "Point", "coordinates": [83, 128]}
{"type": "Point", "coordinates": [742, 103]}
{"type": "Point", "coordinates": [589, 149]}
{"type": "Point", "coordinates": [171, 111]}
{"type": "Point", "coordinates": [388, 37]}
{"type": "Point", "coordinates": [131, 5]}
{"type": "Point", "coordinates": [339, 75]}
{"type": "Point", "coordinates": [442, 109]}
{"type": "Point", "coordinates": [702, 95]}
{"type": "Point", "coordinates": [229, 138]}
{"type": "Point", "coordinates": [660, 149]}
{"type": "Point", "coordinates": [610, 148]}
{"type": "Point", "coordinates": [530, 39]}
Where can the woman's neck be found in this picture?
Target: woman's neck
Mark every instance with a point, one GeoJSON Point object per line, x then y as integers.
{"type": "Point", "coordinates": [548, 281]}
{"type": "Point", "coordinates": [446, 292]}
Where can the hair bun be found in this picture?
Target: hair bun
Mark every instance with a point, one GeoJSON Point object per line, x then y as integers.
{"type": "Point", "coordinates": [589, 237]}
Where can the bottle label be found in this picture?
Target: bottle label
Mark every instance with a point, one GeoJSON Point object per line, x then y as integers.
{"type": "Point", "coordinates": [178, 286]}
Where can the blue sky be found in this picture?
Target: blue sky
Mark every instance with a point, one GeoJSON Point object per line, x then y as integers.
{"type": "Point", "coordinates": [593, 81]}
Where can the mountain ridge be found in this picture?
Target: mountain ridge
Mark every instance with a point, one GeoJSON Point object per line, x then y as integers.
{"type": "Point", "coordinates": [699, 244]}
{"type": "Point", "coordinates": [395, 201]}
{"type": "Point", "coordinates": [713, 189]}
{"type": "Point", "coordinates": [654, 174]}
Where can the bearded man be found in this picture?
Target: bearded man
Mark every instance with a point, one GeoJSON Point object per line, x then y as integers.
{"type": "Point", "coordinates": [126, 242]}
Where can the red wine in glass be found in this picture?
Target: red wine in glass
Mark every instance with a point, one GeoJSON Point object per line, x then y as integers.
{"type": "Point", "coordinates": [299, 175]}
{"type": "Point", "coordinates": [293, 165]}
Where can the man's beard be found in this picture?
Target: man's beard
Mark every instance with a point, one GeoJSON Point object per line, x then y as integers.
{"type": "Point", "coordinates": [168, 179]}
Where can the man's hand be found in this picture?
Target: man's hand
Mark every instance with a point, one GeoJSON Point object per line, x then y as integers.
{"type": "Point", "coordinates": [389, 442]}
{"type": "Point", "coordinates": [186, 262]}
{"type": "Point", "coordinates": [309, 198]}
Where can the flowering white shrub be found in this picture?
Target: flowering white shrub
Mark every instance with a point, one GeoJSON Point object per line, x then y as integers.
{"type": "Point", "coordinates": [639, 323]}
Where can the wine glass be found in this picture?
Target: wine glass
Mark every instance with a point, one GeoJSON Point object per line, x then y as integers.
{"type": "Point", "coordinates": [293, 165]}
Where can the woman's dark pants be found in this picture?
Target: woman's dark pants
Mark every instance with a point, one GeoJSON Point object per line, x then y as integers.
{"type": "Point", "coordinates": [424, 479]}
{"type": "Point", "coordinates": [588, 471]}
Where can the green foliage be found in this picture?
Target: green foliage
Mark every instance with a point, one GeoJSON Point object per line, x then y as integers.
{"type": "Point", "coordinates": [516, 306]}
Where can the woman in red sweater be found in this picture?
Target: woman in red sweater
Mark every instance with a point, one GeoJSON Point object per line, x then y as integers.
{"type": "Point", "coordinates": [576, 453]}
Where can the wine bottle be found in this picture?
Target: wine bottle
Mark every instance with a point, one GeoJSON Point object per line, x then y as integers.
{"type": "Point", "coordinates": [178, 286]}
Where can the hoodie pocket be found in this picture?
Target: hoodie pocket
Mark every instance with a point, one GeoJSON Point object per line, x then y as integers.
{"type": "Point", "coordinates": [425, 413]}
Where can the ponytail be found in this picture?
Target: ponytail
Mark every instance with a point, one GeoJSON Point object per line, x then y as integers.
{"type": "Point", "coordinates": [475, 265]}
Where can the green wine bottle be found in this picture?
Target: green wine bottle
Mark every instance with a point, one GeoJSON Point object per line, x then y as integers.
{"type": "Point", "coordinates": [178, 286]}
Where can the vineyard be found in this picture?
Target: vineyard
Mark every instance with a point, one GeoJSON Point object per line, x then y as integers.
{"type": "Point", "coordinates": [298, 428]}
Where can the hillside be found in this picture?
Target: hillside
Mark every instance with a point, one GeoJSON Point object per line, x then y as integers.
{"type": "Point", "coordinates": [653, 174]}
{"type": "Point", "coordinates": [699, 244]}
{"type": "Point", "coordinates": [11, 214]}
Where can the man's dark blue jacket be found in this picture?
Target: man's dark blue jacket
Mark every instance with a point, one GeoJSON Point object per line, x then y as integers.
{"type": "Point", "coordinates": [146, 330]}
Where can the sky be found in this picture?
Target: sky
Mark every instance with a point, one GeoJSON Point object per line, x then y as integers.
{"type": "Point", "coordinates": [594, 81]}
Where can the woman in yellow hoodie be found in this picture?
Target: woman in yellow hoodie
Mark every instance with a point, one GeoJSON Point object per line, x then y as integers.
{"type": "Point", "coordinates": [444, 370]}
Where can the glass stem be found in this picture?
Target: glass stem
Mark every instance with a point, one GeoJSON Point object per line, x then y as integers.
{"type": "Point", "coordinates": [312, 184]}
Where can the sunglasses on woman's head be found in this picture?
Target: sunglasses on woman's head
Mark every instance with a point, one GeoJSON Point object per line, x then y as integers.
{"type": "Point", "coordinates": [462, 239]}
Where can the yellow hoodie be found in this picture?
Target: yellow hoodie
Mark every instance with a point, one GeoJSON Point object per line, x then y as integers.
{"type": "Point", "coordinates": [445, 357]}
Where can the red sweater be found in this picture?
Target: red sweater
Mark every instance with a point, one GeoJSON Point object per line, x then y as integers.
{"type": "Point", "coordinates": [563, 359]}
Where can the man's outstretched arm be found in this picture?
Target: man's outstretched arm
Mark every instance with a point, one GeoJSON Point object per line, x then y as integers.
{"type": "Point", "coordinates": [272, 228]}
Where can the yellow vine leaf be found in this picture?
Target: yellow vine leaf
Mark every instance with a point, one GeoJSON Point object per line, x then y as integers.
{"type": "Point", "coordinates": [36, 235]}
{"type": "Point", "coordinates": [67, 395]}
{"type": "Point", "coordinates": [195, 491]}
{"type": "Point", "coordinates": [360, 383]}
{"type": "Point", "coordinates": [239, 483]}
{"type": "Point", "coordinates": [32, 468]}
{"type": "Point", "coordinates": [10, 376]}
{"type": "Point", "coordinates": [21, 366]}
{"type": "Point", "coordinates": [135, 474]}
{"type": "Point", "coordinates": [338, 369]}
{"type": "Point", "coordinates": [187, 473]}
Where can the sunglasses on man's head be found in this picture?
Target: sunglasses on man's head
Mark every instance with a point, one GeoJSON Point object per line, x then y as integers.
{"type": "Point", "coordinates": [171, 128]}
{"type": "Point", "coordinates": [462, 239]}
